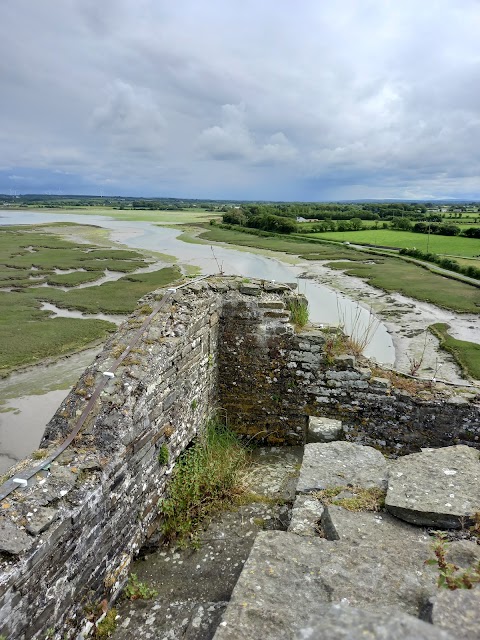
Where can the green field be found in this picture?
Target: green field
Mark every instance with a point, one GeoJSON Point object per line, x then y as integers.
{"type": "Point", "coordinates": [447, 245]}
{"type": "Point", "coordinates": [389, 274]}
{"type": "Point", "coordinates": [29, 257]}
{"type": "Point", "coordinates": [312, 250]}
{"type": "Point", "coordinates": [138, 215]}
{"type": "Point", "coordinates": [467, 354]}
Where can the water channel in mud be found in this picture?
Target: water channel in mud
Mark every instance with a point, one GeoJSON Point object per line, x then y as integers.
{"type": "Point", "coordinates": [27, 404]}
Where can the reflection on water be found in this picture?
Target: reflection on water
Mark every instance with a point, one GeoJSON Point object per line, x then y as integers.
{"type": "Point", "coordinates": [22, 423]}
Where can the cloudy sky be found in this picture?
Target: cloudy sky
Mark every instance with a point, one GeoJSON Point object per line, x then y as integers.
{"type": "Point", "coordinates": [261, 99]}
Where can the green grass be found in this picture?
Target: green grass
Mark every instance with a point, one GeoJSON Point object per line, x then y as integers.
{"type": "Point", "coordinates": [119, 297]}
{"type": "Point", "coordinates": [164, 217]}
{"type": "Point", "coordinates": [206, 479]}
{"type": "Point", "coordinates": [29, 335]}
{"type": "Point", "coordinates": [73, 279]}
{"type": "Point", "coordinates": [296, 246]}
{"type": "Point", "coordinates": [466, 354]}
{"type": "Point", "coordinates": [298, 308]}
{"type": "Point", "coordinates": [394, 274]}
{"type": "Point", "coordinates": [448, 245]}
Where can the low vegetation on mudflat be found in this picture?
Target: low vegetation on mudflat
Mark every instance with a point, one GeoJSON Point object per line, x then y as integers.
{"type": "Point", "coordinates": [394, 274]}
{"type": "Point", "coordinates": [296, 246]}
{"type": "Point", "coordinates": [467, 354]}
{"type": "Point", "coordinates": [30, 257]}
{"type": "Point", "coordinates": [387, 273]}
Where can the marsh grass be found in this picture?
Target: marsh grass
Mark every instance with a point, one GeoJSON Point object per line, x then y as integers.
{"type": "Point", "coordinates": [358, 333]}
{"type": "Point", "coordinates": [298, 307]}
{"type": "Point", "coordinates": [466, 354]}
{"type": "Point", "coordinates": [207, 478]}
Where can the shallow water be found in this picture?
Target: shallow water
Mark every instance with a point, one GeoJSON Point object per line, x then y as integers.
{"type": "Point", "coordinates": [29, 398]}
{"type": "Point", "coordinates": [21, 430]}
{"type": "Point", "coordinates": [57, 312]}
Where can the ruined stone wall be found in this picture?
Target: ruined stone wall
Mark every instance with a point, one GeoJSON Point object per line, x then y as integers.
{"type": "Point", "coordinates": [396, 414]}
{"type": "Point", "coordinates": [67, 540]}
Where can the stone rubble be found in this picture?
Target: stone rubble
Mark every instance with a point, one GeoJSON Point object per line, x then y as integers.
{"type": "Point", "coordinates": [436, 487]}
{"type": "Point", "coordinates": [366, 576]}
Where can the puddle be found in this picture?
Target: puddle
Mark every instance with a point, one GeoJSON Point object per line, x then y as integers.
{"type": "Point", "coordinates": [56, 312]}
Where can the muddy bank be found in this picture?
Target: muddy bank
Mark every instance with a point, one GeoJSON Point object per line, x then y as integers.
{"type": "Point", "coordinates": [407, 321]}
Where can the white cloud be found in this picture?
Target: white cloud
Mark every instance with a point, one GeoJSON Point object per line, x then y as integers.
{"type": "Point", "coordinates": [209, 98]}
{"type": "Point", "coordinates": [233, 140]}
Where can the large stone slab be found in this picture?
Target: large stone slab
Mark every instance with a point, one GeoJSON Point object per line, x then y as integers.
{"type": "Point", "coordinates": [341, 622]}
{"type": "Point", "coordinates": [288, 576]}
{"type": "Point", "coordinates": [457, 612]}
{"type": "Point", "coordinates": [337, 464]}
{"type": "Point", "coordinates": [379, 529]}
{"type": "Point", "coordinates": [436, 487]}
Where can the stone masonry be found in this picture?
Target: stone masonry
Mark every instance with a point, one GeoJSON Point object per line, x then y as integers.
{"type": "Point", "coordinates": [219, 346]}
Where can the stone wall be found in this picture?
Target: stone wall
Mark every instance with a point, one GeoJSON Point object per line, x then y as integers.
{"type": "Point", "coordinates": [394, 413]}
{"type": "Point", "coordinates": [67, 540]}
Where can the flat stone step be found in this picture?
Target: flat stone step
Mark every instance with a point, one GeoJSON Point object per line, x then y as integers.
{"type": "Point", "coordinates": [436, 487]}
{"type": "Point", "coordinates": [324, 430]}
{"type": "Point", "coordinates": [338, 464]}
{"type": "Point", "coordinates": [290, 583]}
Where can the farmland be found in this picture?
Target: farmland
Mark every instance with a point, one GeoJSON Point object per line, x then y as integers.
{"type": "Point", "coordinates": [446, 245]}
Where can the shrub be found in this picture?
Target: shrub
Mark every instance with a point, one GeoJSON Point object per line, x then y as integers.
{"type": "Point", "coordinates": [136, 590]}
{"type": "Point", "coordinates": [450, 576]}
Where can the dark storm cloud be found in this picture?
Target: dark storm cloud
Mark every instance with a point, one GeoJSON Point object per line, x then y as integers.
{"type": "Point", "coordinates": [362, 98]}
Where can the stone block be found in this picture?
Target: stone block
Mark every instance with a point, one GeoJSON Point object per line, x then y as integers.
{"type": "Point", "coordinates": [249, 289]}
{"type": "Point", "coordinates": [13, 540]}
{"type": "Point", "coordinates": [339, 463]}
{"type": "Point", "coordinates": [306, 514]}
{"type": "Point", "coordinates": [345, 361]}
{"type": "Point", "coordinates": [456, 612]}
{"type": "Point", "coordinates": [40, 519]}
{"type": "Point", "coordinates": [436, 487]}
{"type": "Point", "coordinates": [324, 429]}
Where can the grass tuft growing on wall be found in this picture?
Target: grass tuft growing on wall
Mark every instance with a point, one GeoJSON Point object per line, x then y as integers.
{"type": "Point", "coordinates": [298, 308]}
{"type": "Point", "coordinates": [206, 479]}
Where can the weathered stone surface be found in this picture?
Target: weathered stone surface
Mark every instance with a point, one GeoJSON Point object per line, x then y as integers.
{"type": "Point", "coordinates": [341, 622]}
{"type": "Point", "coordinates": [324, 429]}
{"type": "Point", "coordinates": [436, 487]}
{"type": "Point", "coordinates": [363, 527]}
{"type": "Point", "coordinates": [40, 519]}
{"type": "Point", "coordinates": [250, 289]}
{"type": "Point", "coordinates": [13, 540]}
{"type": "Point", "coordinates": [306, 514]}
{"type": "Point", "coordinates": [456, 612]}
{"type": "Point", "coordinates": [341, 463]}
{"type": "Point", "coordinates": [287, 577]}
